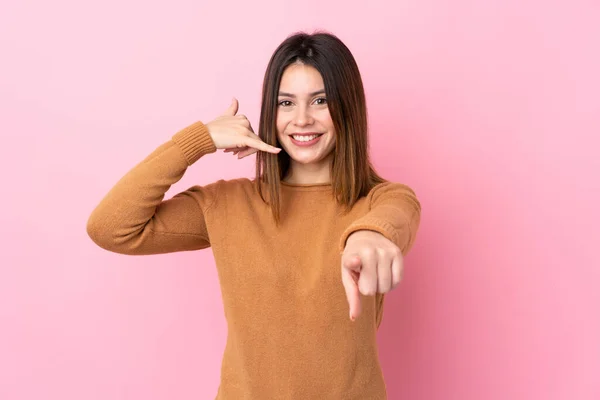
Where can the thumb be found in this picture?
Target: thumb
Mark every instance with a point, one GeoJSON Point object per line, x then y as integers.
{"type": "Point", "coordinates": [233, 108]}
{"type": "Point", "coordinates": [350, 273]}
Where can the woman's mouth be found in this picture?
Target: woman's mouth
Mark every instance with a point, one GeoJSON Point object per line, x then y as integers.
{"type": "Point", "coordinates": [305, 139]}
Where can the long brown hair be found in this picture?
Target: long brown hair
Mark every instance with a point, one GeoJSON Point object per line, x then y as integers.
{"type": "Point", "coordinates": [352, 175]}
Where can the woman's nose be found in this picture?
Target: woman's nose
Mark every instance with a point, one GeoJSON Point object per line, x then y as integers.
{"type": "Point", "coordinates": [302, 117]}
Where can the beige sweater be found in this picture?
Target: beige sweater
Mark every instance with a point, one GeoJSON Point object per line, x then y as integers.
{"type": "Point", "coordinates": [289, 334]}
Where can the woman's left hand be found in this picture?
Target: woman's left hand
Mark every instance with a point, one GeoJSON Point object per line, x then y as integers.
{"type": "Point", "coordinates": [370, 264]}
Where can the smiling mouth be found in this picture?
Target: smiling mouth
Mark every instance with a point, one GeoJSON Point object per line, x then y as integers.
{"type": "Point", "coordinates": [306, 137]}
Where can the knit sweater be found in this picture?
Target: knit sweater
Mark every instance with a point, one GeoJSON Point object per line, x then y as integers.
{"type": "Point", "coordinates": [289, 333]}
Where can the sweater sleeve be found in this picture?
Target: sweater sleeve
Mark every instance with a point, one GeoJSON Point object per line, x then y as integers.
{"type": "Point", "coordinates": [134, 219]}
{"type": "Point", "coordinates": [394, 211]}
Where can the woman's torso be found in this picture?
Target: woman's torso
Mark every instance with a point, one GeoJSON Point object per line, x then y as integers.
{"type": "Point", "coordinates": [289, 332]}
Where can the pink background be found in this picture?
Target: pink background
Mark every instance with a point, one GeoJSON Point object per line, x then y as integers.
{"type": "Point", "coordinates": [489, 110]}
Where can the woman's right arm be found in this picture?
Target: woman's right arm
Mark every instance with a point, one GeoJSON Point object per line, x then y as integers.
{"type": "Point", "coordinates": [133, 218]}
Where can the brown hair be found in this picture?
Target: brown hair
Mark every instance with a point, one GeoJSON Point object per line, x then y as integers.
{"type": "Point", "coordinates": [352, 175]}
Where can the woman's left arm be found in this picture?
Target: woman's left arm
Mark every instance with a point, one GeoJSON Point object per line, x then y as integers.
{"type": "Point", "coordinates": [374, 245]}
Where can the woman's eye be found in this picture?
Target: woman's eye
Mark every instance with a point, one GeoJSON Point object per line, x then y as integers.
{"type": "Point", "coordinates": [285, 103]}
{"type": "Point", "coordinates": [321, 100]}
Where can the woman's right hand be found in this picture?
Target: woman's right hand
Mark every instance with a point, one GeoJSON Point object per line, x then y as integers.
{"type": "Point", "coordinates": [235, 134]}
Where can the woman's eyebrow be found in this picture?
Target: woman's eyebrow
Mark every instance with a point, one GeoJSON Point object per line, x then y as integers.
{"type": "Point", "coordinates": [285, 94]}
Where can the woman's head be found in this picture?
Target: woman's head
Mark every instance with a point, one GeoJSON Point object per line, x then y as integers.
{"type": "Point", "coordinates": [304, 125]}
{"type": "Point", "coordinates": [293, 102]}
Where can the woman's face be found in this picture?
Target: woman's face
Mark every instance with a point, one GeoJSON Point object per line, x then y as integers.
{"type": "Point", "coordinates": [304, 126]}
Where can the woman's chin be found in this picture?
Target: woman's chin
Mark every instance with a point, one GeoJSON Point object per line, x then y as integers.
{"type": "Point", "coordinates": [306, 159]}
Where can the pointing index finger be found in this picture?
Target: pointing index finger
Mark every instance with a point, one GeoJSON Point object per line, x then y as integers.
{"type": "Point", "coordinates": [260, 145]}
{"type": "Point", "coordinates": [350, 268]}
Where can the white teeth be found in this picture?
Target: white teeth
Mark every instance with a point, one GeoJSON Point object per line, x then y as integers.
{"type": "Point", "coordinates": [304, 138]}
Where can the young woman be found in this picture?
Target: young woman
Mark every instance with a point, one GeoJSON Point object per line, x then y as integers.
{"type": "Point", "coordinates": [314, 241]}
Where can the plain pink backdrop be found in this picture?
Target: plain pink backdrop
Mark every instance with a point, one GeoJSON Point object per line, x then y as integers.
{"type": "Point", "coordinates": [488, 109]}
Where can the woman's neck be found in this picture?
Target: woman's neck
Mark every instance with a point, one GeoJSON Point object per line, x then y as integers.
{"type": "Point", "coordinates": [308, 174]}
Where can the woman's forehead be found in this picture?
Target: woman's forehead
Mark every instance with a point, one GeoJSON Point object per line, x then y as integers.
{"type": "Point", "coordinates": [301, 80]}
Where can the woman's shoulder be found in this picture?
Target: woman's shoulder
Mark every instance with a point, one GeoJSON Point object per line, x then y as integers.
{"type": "Point", "coordinates": [393, 193]}
{"type": "Point", "coordinates": [223, 194]}
{"type": "Point", "coordinates": [222, 187]}
{"type": "Point", "coordinates": [237, 188]}
{"type": "Point", "coordinates": [391, 187]}
{"type": "Point", "coordinates": [236, 184]}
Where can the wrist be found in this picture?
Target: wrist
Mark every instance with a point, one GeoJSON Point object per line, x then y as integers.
{"type": "Point", "coordinates": [194, 141]}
